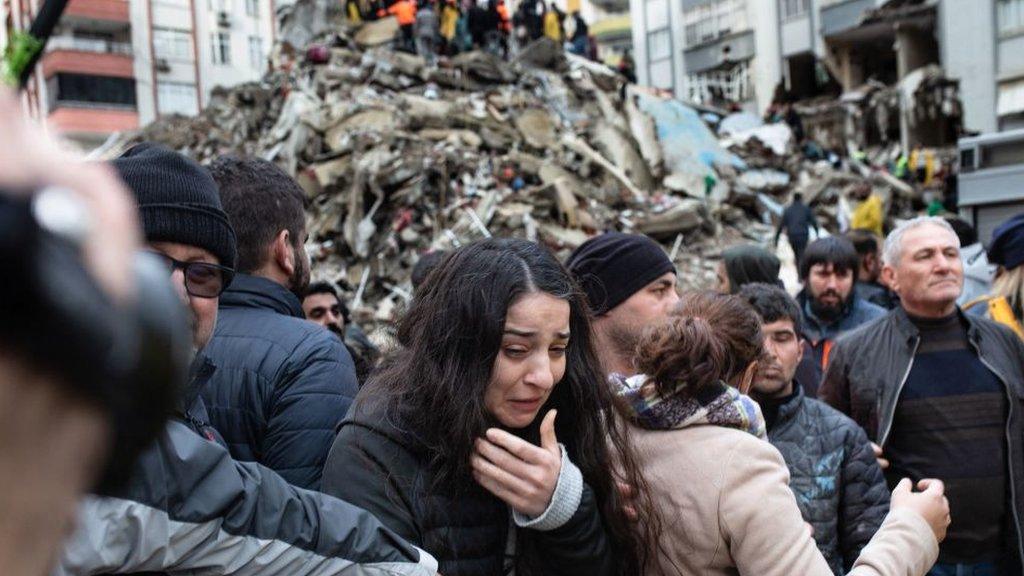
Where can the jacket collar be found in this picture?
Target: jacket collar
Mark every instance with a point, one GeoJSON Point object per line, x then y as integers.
{"type": "Point", "coordinates": [255, 292]}
{"type": "Point", "coordinates": [910, 332]}
{"type": "Point", "coordinates": [790, 408]}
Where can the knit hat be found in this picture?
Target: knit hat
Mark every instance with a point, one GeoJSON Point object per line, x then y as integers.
{"type": "Point", "coordinates": [613, 266]}
{"type": "Point", "coordinates": [1007, 247]}
{"type": "Point", "coordinates": [178, 200]}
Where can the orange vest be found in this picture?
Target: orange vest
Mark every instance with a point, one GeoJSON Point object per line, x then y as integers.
{"type": "Point", "coordinates": [404, 11]}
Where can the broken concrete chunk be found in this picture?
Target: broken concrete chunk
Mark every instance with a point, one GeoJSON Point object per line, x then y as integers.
{"type": "Point", "coordinates": [377, 32]}
{"type": "Point", "coordinates": [537, 128]}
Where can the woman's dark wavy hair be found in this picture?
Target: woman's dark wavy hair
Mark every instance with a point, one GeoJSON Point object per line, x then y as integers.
{"type": "Point", "coordinates": [434, 385]}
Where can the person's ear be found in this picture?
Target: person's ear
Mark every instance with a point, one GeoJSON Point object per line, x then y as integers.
{"type": "Point", "coordinates": [889, 278]}
{"type": "Point", "coordinates": [282, 252]}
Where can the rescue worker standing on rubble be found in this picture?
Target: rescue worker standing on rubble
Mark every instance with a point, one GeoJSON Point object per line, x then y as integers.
{"type": "Point", "coordinates": [1006, 303]}
{"type": "Point", "coordinates": [552, 27]}
{"type": "Point", "coordinates": [405, 12]}
{"type": "Point", "coordinates": [447, 27]}
{"type": "Point", "coordinates": [940, 392]}
{"type": "Point", "coordinates": [427, 29]}
{"type": "Point", "coordinates": [797, 220]}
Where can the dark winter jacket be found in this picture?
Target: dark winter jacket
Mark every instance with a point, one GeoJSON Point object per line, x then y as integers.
{"type": "Point", "coordinates": [282, 383]}
{"type": "Point", "coordinates": [834, 475]}
{"type": "Point", "coordinates": [797, 220]}
{"type": "Point", "coordinates": [377, 466]}
{"type": "Point", "coordinates": [870, 365]}
{"type": "Point", "coordinates": [190, 508]}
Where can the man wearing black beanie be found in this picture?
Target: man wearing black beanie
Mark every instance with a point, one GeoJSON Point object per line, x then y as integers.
{"type": "Point", "coordinates": [188, 506]}
{"type": "Point", "coordinates": [630, 284]}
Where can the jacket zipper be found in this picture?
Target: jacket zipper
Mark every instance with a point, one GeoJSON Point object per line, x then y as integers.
{"type": "Point", "coordinates": [899, 390]}
{"type": "Point", "coordinates": [1009, 451]}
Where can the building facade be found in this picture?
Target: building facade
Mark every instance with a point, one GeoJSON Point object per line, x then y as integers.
{"type": "Point", "coordinates": [114, 65]}
{"type": "Point", "coordinates": [744, 51]}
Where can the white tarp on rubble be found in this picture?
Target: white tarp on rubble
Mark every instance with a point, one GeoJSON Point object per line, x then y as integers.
{"type": "Point", "coordinates": [690, 148]}
{"type": "Point", "coordinates": [775, 136]}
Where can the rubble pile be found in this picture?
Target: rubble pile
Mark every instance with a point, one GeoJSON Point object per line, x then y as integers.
{"type": "Point", "coordinates": [399, 158]}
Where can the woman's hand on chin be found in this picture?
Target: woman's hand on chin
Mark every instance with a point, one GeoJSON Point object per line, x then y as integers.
{"type": "Point", "coordinates": [522, 475]}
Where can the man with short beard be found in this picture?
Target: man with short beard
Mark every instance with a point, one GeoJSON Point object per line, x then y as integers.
{"type": "Point", "coordinates": [283, 383]}
{"type": "Point", "coordinates": [829, 303]}
{"type": "Point", "coordinates": [630, 284]}
{"type": "Point", "coordinates": [838, 485]}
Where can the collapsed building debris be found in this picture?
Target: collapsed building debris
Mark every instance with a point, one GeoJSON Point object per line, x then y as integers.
{"type": "Point", "coordinates": [398, 157]}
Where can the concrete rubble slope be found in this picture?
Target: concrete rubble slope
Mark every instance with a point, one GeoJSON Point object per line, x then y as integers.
{"type": "Point", "coordinates": [398, 158]}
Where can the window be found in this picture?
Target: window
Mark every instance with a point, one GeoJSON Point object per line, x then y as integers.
{"type": "Point", "coordinates": [710, 21]}
{"type": "Point", "coordinates": [176, 98]}
{"type": "Point", "coordinates": [93, 90]}
{"type": "Point", "coordinates": [172, 44]}
{"type": "Point", "coordinates": [656, 12]}
{"type": "Point", "coordinates": [252, 8]}
{"type": "Point", "coordinates": [790, 9]}
{"type": "Point", "coordinates": [659, 45]}
{"type": "Point", "coordinates": [220, 47]}
{"type": "Point", "coordinates": [1010, 16]}
{"type": "Point", "coordinates": [256, 52]}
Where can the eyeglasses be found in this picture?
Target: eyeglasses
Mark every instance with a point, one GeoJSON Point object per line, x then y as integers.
{"type": "Point", "coordinates": [202, 279]}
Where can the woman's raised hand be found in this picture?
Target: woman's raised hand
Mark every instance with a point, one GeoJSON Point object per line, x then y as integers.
{"type": "Point", "coordinates": [524, 476]}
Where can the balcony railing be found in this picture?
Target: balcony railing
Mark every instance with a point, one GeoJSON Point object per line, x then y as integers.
{"type": "Point", "coordinates": [89, 45]}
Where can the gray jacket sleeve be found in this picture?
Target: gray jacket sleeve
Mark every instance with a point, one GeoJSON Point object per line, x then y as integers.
{"type": "Point", "coordinates": [191, 509]}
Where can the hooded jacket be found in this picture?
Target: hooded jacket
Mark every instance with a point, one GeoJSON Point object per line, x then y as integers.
{"type": "Point", "coordinates": [282, 383]}
{"type": "Point", "coordinates": [838, 485]}
{"type": "Point", "coordinates": [190, 508]}
{"type": "Point", "coordinates": [870, 365]}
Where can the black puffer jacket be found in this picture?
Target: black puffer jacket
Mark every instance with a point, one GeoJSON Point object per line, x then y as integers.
{"type": "Point", "coordinates": [376, 466]}
{"type": "Point", "coordinates": [833, 473]}
{"type": "Point", "coordinates": [282, 383]}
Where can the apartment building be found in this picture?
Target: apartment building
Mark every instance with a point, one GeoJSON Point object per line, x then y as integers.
{"type": "Point", "coordinates": [742, 51]}
{"type": "Point", "coordinates": [115, 65]}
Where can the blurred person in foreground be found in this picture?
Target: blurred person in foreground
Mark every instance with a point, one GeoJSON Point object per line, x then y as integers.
{"type": "Point", "coordinates": [706, 462]}
{"type": "Point", "coordinates": [54, 439]}
{"type": "Point", "coordinates": [188, 507]}
{"type": "Point", "coordinates": [938, 391]}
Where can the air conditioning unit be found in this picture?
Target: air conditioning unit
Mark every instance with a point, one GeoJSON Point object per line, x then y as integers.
{"type": "Point", "coordinates": [224, 19]}
{"type": "Point", "coordinates": [162, 65]}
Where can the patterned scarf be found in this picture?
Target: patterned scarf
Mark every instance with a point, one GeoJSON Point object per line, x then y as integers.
{"type": "Point", "coordinates": [717, 405]}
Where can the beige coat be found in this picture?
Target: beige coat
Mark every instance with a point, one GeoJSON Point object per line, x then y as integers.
{"type": "Point", "coordinates": [727, 509]}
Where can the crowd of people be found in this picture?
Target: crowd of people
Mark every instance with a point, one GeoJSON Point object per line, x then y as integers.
{"type": "Point", "coordinates": [448, 27]}
{"type": "Point", "coordinates": [534, 416]}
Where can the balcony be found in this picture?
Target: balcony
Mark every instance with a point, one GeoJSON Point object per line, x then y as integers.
{"type": "Point", "coordinates": [105, 10]}
{"type": "Point", "coordinates": [86, 56]}
{"type": "Point", "coordinates": [89, 45]}
{"type": "Point", "coordinates": [720, 52]}
{"type": "Point", "coordinates": [87, 120]}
